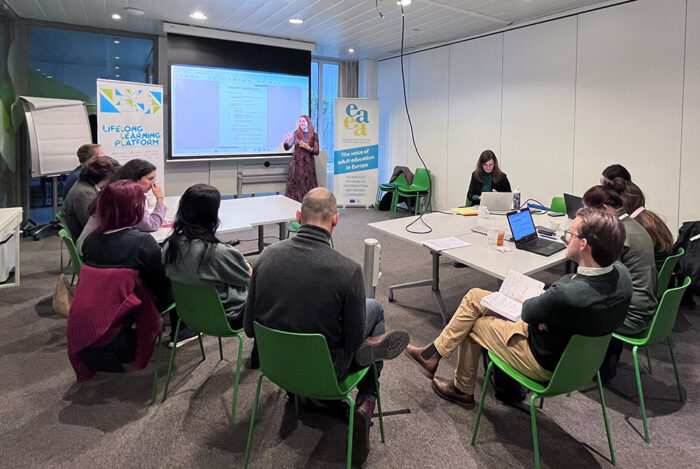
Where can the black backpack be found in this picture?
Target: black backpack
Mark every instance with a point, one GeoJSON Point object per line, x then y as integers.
{"type": "Point", "coordinates": [689, 264]}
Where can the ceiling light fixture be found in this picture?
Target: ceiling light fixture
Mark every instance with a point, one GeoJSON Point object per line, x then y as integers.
{"type": "Point", "coordinates": [116, 41]}
{"type": "Point", "coordinates": [117, 67]}
{"type": "Point", "coordinates": [351, 50]}
{"type": "Point", "coordinates": [133, 11]}
{"type": "Point", "coordinates": [116, 16]}
{"type": "Point", "coordinates": [404, 3]}
{"type": "Point", "coordinates": [198, 15]}
{"type": "Point", "coordinates": [117, 76]}
{"type": "Point", "coordinates": [49, 76]}
{"type": "Point", "coordinates": [296, 20]}
{"type": "Point", "coordinates": [116, 57]}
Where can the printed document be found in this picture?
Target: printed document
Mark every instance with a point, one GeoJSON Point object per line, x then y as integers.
{"type": "Point", "coordinates": [516, 288]}
{"type": "Point", "coordinates": [443, 244]}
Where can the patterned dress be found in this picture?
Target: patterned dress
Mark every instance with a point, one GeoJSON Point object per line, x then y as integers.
{"type": "Point", "coordinates": [301, 177]}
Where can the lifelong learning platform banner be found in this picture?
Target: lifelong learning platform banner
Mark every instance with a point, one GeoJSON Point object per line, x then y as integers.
{"type": "Point", "coordinates": [356, 151]}
{"type": "Point", "coordinates": [130, 122]}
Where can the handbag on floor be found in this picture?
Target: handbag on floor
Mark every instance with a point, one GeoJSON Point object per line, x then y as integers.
{"type": "Point", "coordinates": [62, 296]}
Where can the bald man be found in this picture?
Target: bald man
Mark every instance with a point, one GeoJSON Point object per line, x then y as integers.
{"type": "Point", "coordinates": [304, 285]}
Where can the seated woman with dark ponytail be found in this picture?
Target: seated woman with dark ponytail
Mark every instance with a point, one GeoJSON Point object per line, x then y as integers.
{"type": "Point", "coordinates": [193, 254]}
{"type": "Point", "coordinates": [634, 202]}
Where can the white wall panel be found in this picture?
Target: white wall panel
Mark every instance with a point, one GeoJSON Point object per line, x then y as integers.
{"type": "Point", "coordinates": [474, 116]}
{"type": "Point", "coordinates": [392, 118]}
{"type": "Point", "coordinates": [427, 102]}
{"type": "Point", "coordinates": [629, 96]}
{"type": "Point", "coordinates": [179, 176]}
{"type": "Point", "coordinates": [690, 156]}
{"type": "Point", "coordinates": [539, 75]}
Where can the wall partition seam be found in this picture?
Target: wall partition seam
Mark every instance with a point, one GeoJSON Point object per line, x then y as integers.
{"type": "Point", "coordinates": [573, 140]}
{"type": "Point", "coordinates": [683, 80]}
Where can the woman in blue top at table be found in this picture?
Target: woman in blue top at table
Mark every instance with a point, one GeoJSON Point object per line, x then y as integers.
{"type": "Point", "coordinates": [487, 177]}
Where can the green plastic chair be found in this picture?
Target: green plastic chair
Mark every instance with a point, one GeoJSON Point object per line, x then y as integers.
{"type": "Point", "coordinates": [200, 307]}
{"type": "Point", "coordinates": [666, 272]}
{"type": "Point", "coordinates": [579, 362]}
{"type": "Point", "coordinates": [420, 188]}
{"type": "Point", "coordinates": [75, 261]}
{"type": "Point", "coordinates": [392, 187]}
{"type": "Point", "coordinates": [301, 364]}
{"type": "Point", "coordinates": [659, 331]}
{"type": "Point", "coordinates": [558, 205]}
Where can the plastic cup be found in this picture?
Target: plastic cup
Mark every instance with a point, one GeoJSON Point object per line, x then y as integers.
{"type": "Point", "coordinates": [492, 239]}
{"type": "Point", "coordinates": [501, 236]}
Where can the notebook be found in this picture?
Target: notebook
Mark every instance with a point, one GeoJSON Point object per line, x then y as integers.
{"type": "Point", "coordinates": [525, 235]}
{"type": "Point", "coordinates": [498, 203]}
{"type": "Point", "coordinates": [573, 203]}
{"type": "Point", "coordinates": [508, 300]}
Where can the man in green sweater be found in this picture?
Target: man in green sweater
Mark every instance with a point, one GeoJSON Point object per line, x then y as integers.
{"type": "Point", "coordinates": [591, 302]}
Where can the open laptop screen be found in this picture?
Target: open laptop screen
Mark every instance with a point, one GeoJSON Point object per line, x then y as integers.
{"type": "Point", "coordinates": [521, 224]}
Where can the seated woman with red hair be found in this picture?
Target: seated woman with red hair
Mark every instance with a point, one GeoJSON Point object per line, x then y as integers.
{"type": "Point", "coordinates": [114, 316]}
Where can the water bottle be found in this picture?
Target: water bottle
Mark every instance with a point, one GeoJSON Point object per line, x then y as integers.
{"type": "Point", "coordinates": [516, 199]}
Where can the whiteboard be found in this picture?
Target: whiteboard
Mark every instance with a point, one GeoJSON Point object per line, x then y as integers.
{"type": "Point", "coordinates": [56, 128]}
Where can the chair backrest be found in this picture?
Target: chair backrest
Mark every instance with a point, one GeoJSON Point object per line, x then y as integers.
{"type": "Point", "coordinates": [558, 205]}
{"type": "Point", "coordinates": [76, 262]}
{"type": "Point", "coordinates": [421, 181]}
{"type": "Point", "coordinates": [62, 220]}
{"type": "Point", "coordinates": [400, 180]}
{"type": "Point", "coordinates": [200, 307]}
{"type": "Point", "coordinates": [666, 270]}
{"type": "Point", "coordinates": [666, 313]}
{"type": "Point", "coordinates": [299, 363]}
{"type": "Point", "coordinates": [580, 362]}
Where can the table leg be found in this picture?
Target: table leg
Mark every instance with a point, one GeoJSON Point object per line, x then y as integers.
{"type": "Point", "coordinates": [434, 282]}
{"type": "Point", "coordinates": [283, 231]}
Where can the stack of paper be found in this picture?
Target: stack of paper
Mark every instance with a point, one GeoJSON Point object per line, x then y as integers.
{"type": "Point", "coordinates": [508, 300]}
{"type": "Point", "coordinates": [443, 244]}
{"type": "Point", "coordinates": [466, 211]}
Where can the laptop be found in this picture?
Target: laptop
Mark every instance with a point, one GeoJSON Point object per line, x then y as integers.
{"type": "Point", "coordinates": [498, 203]}
{"type": "Point", "coordinates": [573, 203]}
{"type": "Point", "coordinates": [525, 235]}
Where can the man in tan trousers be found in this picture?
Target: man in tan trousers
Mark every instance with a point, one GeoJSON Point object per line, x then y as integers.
{"type": "Point", "coordinates": [591, 302]}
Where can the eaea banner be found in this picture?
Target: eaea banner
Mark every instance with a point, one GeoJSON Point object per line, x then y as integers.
{"type": "Point", "coordinates": [356, 151]}
{"type": "Point", "coordinates": [130, 122]}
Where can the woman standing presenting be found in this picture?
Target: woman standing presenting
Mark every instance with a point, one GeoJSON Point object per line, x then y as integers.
{"type": "Point", "coordinates": [487, 177]}
{"type": "Point", "coordinates": [301, 177]}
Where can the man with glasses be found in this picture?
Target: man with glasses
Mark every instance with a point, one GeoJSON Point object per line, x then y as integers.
{"type": "Point", "coordinates": [591, 302]}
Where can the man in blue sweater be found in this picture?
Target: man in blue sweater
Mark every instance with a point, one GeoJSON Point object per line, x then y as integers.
{"type": "Point", "coordinates": [591, 302]}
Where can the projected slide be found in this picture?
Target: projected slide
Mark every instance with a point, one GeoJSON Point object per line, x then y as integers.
{"type": "Point", "coordinates": [221, 112]}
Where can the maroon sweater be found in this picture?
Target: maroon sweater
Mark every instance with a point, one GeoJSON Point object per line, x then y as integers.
{"type": "Point", "coordinates": [102, 300]}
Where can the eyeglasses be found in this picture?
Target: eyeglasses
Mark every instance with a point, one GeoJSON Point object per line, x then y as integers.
{"type": "Point", "coordinates": [568, 234]}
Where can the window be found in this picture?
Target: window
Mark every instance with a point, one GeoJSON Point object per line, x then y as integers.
{"type": "Point", "coordinates": [65, 63]}
{"type": "Point", "coordinates": [324, 90]}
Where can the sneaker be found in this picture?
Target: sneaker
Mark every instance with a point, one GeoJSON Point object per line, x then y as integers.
{"type": "Point", "coordinates": [186, 336]}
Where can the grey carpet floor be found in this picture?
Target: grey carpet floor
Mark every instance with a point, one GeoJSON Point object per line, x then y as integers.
{"type": "Point", "coordinates": [48, 420]}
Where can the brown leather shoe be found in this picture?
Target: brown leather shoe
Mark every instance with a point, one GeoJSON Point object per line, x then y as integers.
{"type": "Point", "coordinates": [360, 435]}
{"type": "Point", "coordinates": [427, 367]}
{"type": "Point", "coordinates": [445, 388]}
{"type": "Point", "coordinates": [381, 347]}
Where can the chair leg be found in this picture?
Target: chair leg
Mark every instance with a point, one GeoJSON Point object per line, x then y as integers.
{"type": "Point", "coordinates": [379, 401]}
{"type": "Point", "coordinates": [201, 346]}
{"type": "Point", "coordinates": [351, 425]}
{"type": "Point", "coordinates": [415, 207]}
{"type": "Point", "coordinates": [252, 423]}
{"type": "Point", "coordinates": [646, 349]}
{"type": "Point", "coordinates": [605, 418]}
{"type": "Point", "coordinates": [155, 369]}
{"type": "Point", "coordinates": [541, 402]}
{"type": "Point", "coordinates": [641, 393]}
{"type": "Point", "coordinates": [487, 378]}
{"type": "Point", "coordinates": [221, 350]}
{"type": "Point", "coordinates": [675, 369]}
{"type": "Point", "coordinates": [394, 203]}
{"type": "Point", "coordinates": [172, 360]}
{"type": "Point", "coordinates": [238, 378]}
{"type": "Point", "coordinates": [533, 423]}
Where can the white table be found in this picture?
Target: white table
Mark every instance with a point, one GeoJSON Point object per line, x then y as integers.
{"type": "Point", "coordinates": [244, 214]}
{"type": "Point", "coordinates": [477, 256]}
{"type": "Point", "coordinates": [10, 219]}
